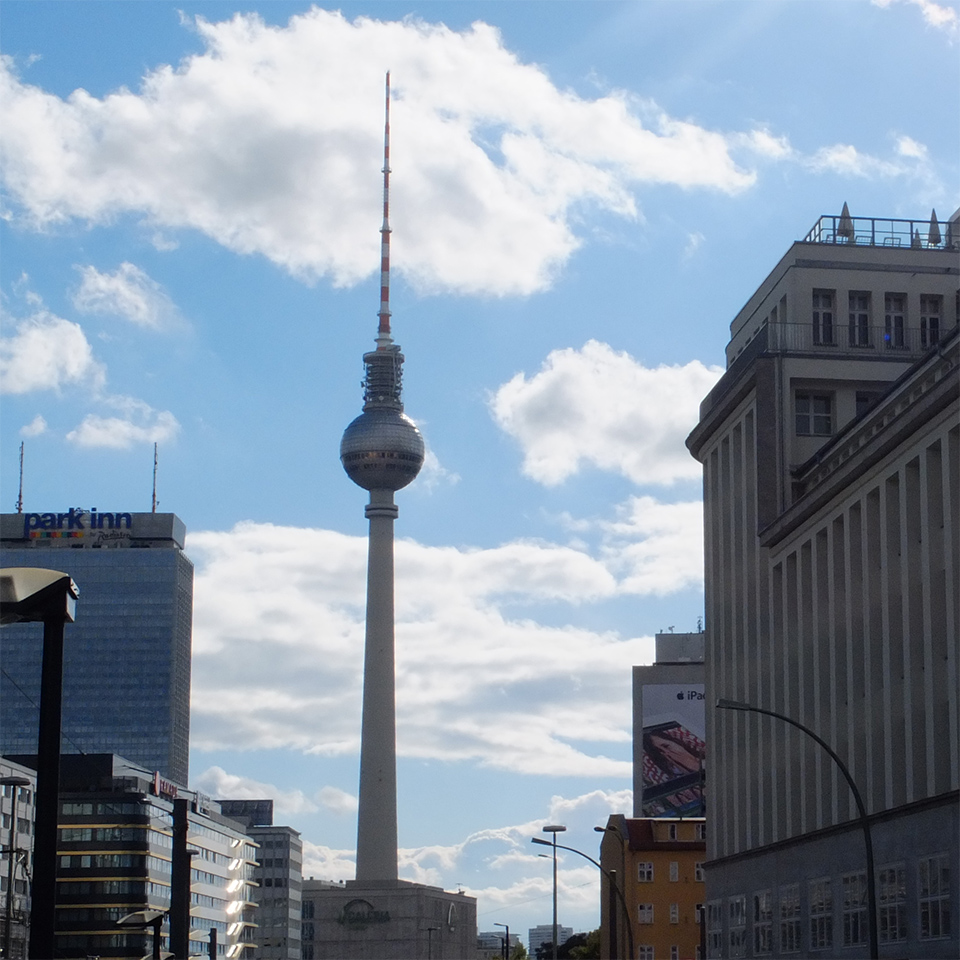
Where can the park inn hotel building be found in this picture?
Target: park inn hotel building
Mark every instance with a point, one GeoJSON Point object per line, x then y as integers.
{"type": "Point", "coordinates": [831, 465]}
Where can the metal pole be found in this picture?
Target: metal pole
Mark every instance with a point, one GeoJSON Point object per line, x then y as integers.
{"type": "Point", "coordinates": [554, 896]}
{"type": "Point", "coordinates": [723, 704]}
{"type": "Point", "coordinates": [180, 883]}
{"type": "Point", "coordinates": [44, 894]}
{"type": "Point", "coordinates": [212, 950]}
{"type": "Point", "coordinates": [612, 905]}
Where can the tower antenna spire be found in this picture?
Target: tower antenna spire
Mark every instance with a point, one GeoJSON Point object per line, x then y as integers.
{"type": "Point", "coordinates": [20, 495]}
{"type": "Point", "coordinates": [383, 330]}
{"type": "Point", "coordinates": [153, 508]}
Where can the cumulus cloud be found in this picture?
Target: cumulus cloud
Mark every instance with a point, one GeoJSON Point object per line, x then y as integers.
{"type": "Point", "coordinates": [35, 427]}
{"type": "Point", "coordinates": [143, 425]}
{"type": "Point", "coordinates": [219, 784]}
{"type": "Point", "coordinates": [129, 293]}
{"type": "Point", "coordinates": [656, 547]}
{"type": "Point", "coordinates": [600, 407]}
{"type": "Point", "coordinates": [934, 14]}
{"type": "Point", "coordinates": [271, 603]}
{"type": "Point", "coordinates": [337, 800]}
{"type": "Point", "coordinates": [47, 353]}
{"type": "Point", "coordinates": [490, 157]}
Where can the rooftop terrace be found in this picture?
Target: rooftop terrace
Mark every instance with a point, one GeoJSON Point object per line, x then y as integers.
{"type": "Point", "coordinates": [932, 234]}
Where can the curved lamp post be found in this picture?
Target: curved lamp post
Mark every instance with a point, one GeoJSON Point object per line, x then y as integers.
{"type": "Point", "coordinates": [553, 828]}
{"type": "Point", "coordinates": [623, 879]}
{"type": "Point", "coordinates": [723, 704]}
{"type": "Point", "coordinates": [580, 853]}
{"type": "Point", "coordinates": [506, 942]}
{"type": "Point", "coordinates": [30, 594]}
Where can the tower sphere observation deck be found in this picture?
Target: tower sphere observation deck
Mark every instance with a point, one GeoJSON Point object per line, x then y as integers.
{"type": "Point", "coordinates": [382, 449]}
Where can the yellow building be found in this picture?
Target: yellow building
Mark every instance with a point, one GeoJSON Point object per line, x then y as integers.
{"type": "Point", "coordinates": [658, 866]}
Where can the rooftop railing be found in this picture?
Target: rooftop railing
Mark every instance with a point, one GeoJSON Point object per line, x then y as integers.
{"type": "Point", "coordinates": [882, 232]}
{"type": "Point", "coordinates": [850, 340]}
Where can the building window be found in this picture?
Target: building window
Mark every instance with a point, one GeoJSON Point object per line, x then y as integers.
{"type": "Point", "coordinates": [865, 400]}
{"type": "Point", "coordinates": [894, 310]}
{"type": "Point", "coordinates": [701, 831]}
{"type": "Point", "coordinates": [645, 872]}
{"type": "Point", "coordinates": [854, 909]}
{"type": "Point", "coordinates": [933, 893]}
{"type": "Point", "coordinates": [737, 929]}
{"type": "Point", "coordinates": [931, 309]}
{"type": "Point", "coordinates": [674, 912]}
{"type": "Point", "coordinates": [644, 913]}
{"type": "Point", "coordinates": [698, 872]}
{"type": "Point", "coordinates": [644, 952]}
{"type": "Point", "coordinates": [859, 319]}
{"type": "Point", "coordinates": [892, 907]}
{"type": "Point", "coordinates": [715, 929]}
{"type": "Point", "coordinates": [790, 918]}
{"type": "Point", "coordinates": [814, 415]}
{"type": "Point", "coordinates": [821, 915]}
{"type": "Point", "coordinates": [672, 831]}
{"type": "Point", "coordinates": [674, 952]}
{"type": "Point", "coordinates": [823, 317]}
{"type": "Point", "coordinates": [306, 909]}
{"type": "Point", "coordinates": [762, 923]}
{"type": "Point", "coordinates": [698, 913]}
{"type": "Point", "coordinates": [674, 871]}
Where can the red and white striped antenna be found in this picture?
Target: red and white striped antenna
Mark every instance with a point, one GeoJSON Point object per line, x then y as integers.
{"type": "Point", "coordinates": [383, 331]}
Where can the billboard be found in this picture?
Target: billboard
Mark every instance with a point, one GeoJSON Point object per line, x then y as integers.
{"type": "Point", "coordinates": [674, 750]}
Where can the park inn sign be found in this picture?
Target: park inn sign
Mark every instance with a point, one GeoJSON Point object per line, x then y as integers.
{"type": "Point", "coordinates": [65, 524]}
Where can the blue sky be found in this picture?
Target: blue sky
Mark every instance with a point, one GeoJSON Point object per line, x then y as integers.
{"type": "Point", "coordinates": [584, 194]}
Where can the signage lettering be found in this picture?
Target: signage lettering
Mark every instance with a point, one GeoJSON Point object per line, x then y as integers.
{"type": "Point", "coordinates": [75, 519]}
{"type": "Point", "coordinates": [360, 913]}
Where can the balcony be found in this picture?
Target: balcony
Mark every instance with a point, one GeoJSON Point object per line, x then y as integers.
{"type": "Point", "coordinates": [857, 340]}
{"type": "Point", "coordinates": [883, 232]}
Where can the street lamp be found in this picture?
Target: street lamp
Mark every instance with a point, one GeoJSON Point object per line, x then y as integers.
{"type": "Point", "coordinates": [723, 704]}
{"type": "Point", "coordinates": [506, 942]}
{"type": "Point", "coordinates": [614, 951]}
{"type": "Point", "coordinates": [143, 919]}
{"type": "Point", "coordinates": [33, 594]}
{"type": "Point", "coordinates": [554, 829]}
{"type": "Point", "coordinates": [15, 783]}
{"type": "Point", "coordinates": [585, 856]}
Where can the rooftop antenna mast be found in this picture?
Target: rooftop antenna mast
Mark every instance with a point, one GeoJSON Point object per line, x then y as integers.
{"type": "Point", "coordinates": [384, 340]}
{"type": "Point", "coordinates": [154, 502]}
{"type": "Point", "coordinates": [20, 495]}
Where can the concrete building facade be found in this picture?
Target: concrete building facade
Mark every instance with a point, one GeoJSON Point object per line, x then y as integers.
{"type": "Point", "coordinates": [126, 669]}
{"type": "Point", "coordinates": [543, 933]}
{"type": "Point", "coordinates": [278, 878]}
{"type": "Point", "coordinates": [830, 451]}
{"type": "Point", "coordinates": [16, 866]}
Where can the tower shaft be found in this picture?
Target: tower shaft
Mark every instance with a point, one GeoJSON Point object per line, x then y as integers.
{"type": "Point", "coordinates": [377, 814]}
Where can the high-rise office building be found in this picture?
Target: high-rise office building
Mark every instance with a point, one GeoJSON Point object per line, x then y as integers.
{"type": "Point", "coordinates": [126, 673]}
{"type": "Point", "coordinates": [831, 462]}
{"type": "Point", "coordinates": [278, 875]}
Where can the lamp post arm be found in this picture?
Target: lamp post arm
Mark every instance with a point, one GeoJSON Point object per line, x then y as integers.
{"type": "Point", "coordinates": [861, 808]}
{"type": "Point", "coordinates": [585, 856]}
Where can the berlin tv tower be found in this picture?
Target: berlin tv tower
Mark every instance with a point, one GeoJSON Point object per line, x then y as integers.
{"type": "Point", "coordinates": [381, 451]}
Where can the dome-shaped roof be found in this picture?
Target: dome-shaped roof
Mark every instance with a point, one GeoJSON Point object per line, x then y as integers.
{"type": "Point", "coordinates": [382, 450]}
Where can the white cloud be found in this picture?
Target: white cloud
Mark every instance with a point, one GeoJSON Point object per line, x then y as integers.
{"type": "Point", "coordinates": [490, 158]}
{"type": "Point", "coordinates": [935, 14]}
{"type": "Point", "coordinates": [271, 603]}
{"type": "Point", "coordinates": [47, 353]}
{"type": "Point", "coordinates": [129, 293]}
{"type": "Point", "coordinates": [656, 547]}
{"type": "Point", "coordinates": [908, 147]}
{"type": "Point", "coordinates": [142, 424]}
{"type": "Point", "coordinates": [601, 407]}
{"type": "Point", "coordinates": [34, 428]}
{"type": "Point", "coordinates": [221, 785]}
{"type": "Point", "coordinates": [337, 800]}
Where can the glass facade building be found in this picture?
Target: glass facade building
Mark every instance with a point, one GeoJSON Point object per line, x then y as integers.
{"type": "Point", "coordinates": [126, 672]}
